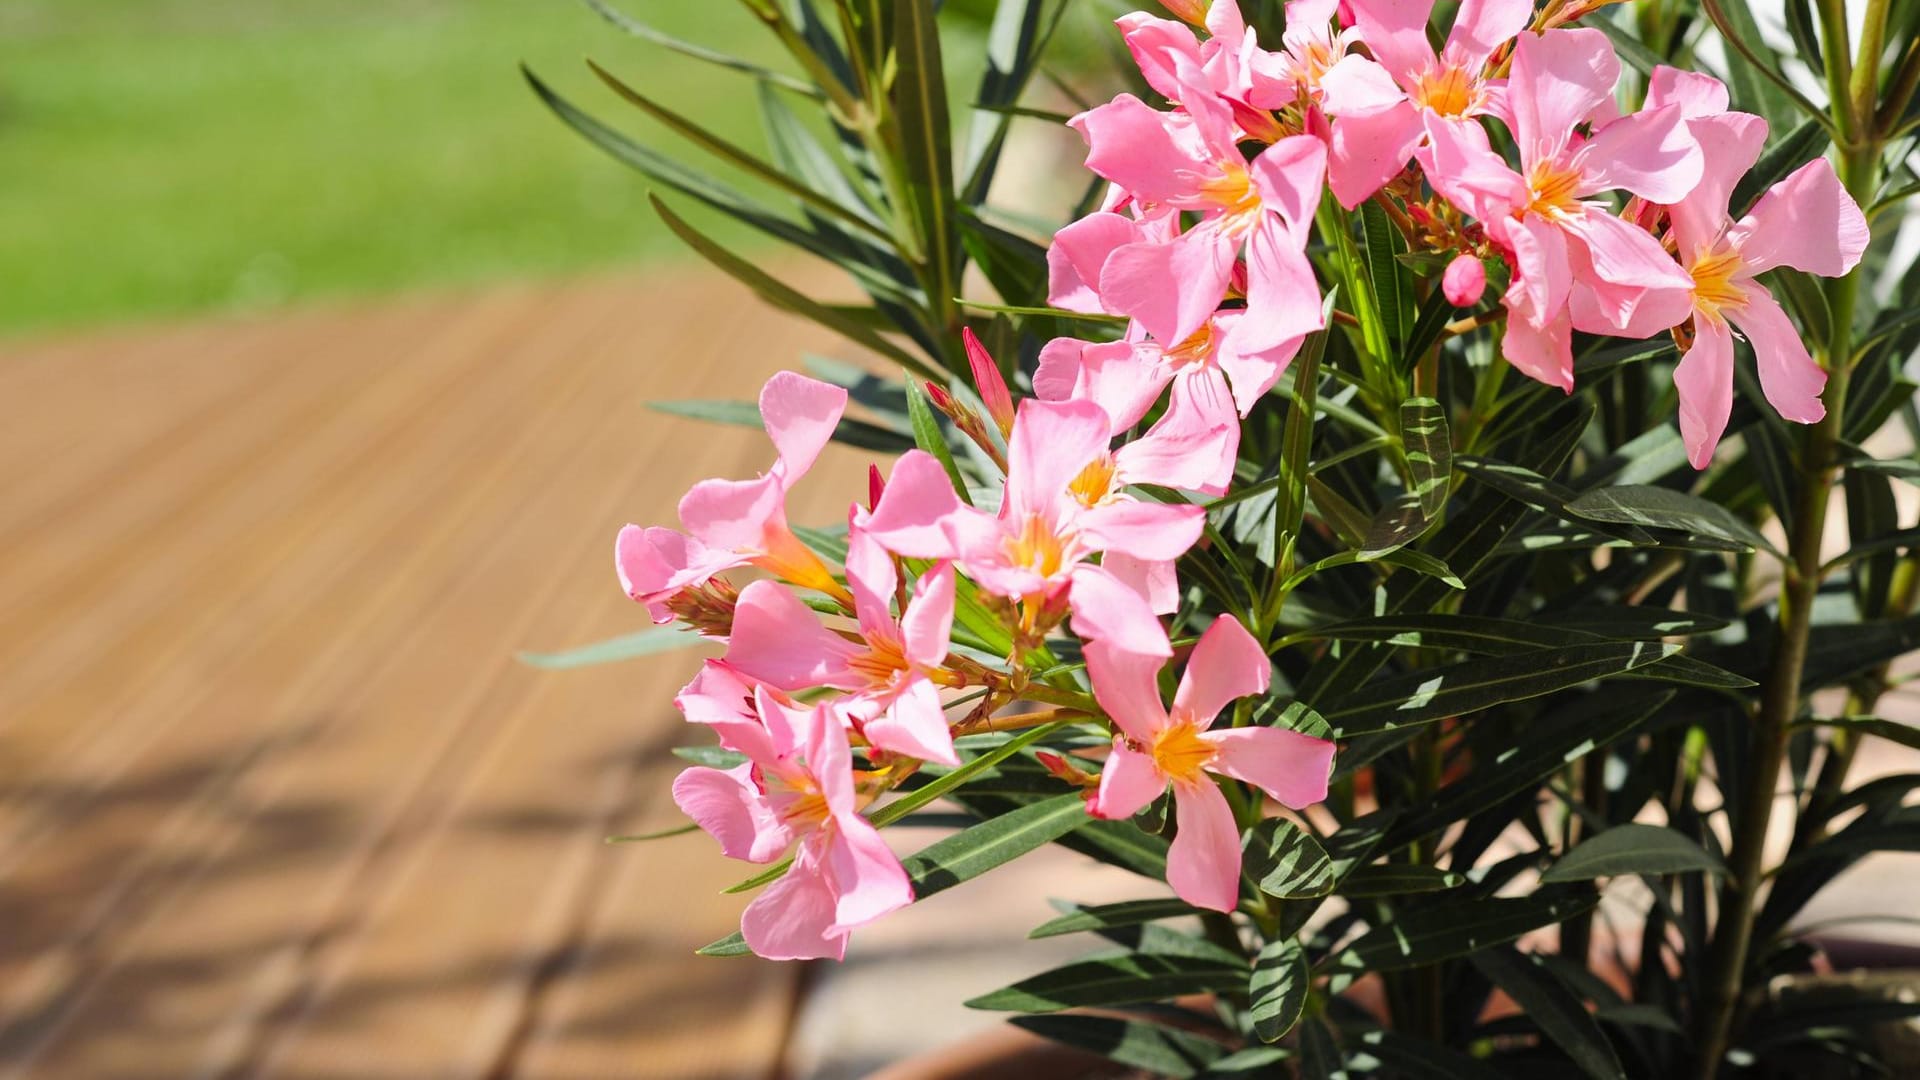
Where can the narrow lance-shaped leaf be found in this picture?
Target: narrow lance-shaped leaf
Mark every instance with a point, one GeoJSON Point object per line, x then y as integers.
{"type": "Point", "coordinates": [1108, 916]}
{"type": "Point", "coordinates": [920, 111]}
{"type": "Point", "coordinates": [1429, 446]}
{"type": "Point", "coordinates": [1162, 1051]}
{"type": "Point", "coordinates": [1633, 848]}
{"type": "Point", "coordinates": [1560, 1015]}
{"type": "Point", "coordinates": [1117, 980]}
{"type": "Point", "coordinates": [1459, 689]}
{"type": "Point", "coordinates": [1430, 932]}
{"type": "Point", "coordinates": [782, 295]}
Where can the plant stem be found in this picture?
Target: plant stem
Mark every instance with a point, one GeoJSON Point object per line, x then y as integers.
{"type": "Point", "coordinates": [1781, 692]}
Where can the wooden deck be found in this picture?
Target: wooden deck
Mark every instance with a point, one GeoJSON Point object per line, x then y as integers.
{"type": "Point", "coordinates": [275, 797]}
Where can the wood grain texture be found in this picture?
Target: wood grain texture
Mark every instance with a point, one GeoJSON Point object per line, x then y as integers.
{"type": "Point", "coordinates": [275, 797]}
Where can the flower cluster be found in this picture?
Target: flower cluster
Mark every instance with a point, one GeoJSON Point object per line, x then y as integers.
{"type": "Point", "coordinates": [1201, 245]}
{"type": "Point", "coordinates": [1496, 152]}
{"type": "Point", "coordinates": [821, 662]}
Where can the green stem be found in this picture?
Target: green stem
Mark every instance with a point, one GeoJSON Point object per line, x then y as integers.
{"type": "Point", "coordinates": [1781, 692]}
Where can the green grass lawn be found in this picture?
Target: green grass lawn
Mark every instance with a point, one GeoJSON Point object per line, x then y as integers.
{"type": "Point", "coordinates": [161, 157]}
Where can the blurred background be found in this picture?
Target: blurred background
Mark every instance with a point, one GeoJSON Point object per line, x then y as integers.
{"type": "Point", "coordinates": [325, 351]}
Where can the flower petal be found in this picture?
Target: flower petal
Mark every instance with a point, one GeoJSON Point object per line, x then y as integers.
{"type": "Point", "coordinates": [872, 579]}
{"type": "Point", "coordinates": [1172, 288]}
{"type": "Point", "coordinates": [779, 641]}
{"type": "Point", "coordinates": [1154, 580]}
{"type": "Point", "coordinates": [1396, 33]}
{"type": "Point", "coordinates": [1283, 296]}
{"type": "Point", "coordinates": [1108, 612]}
{"type": "Point", "coordinates": [927, 625]}
{"type": "Point", "coordinates": [1128, 783]}
{"type": "Point", "coordinates": [868, 880]}
{"type": "Point", "coordinates": [1696, 93]}
{"type": "Point", "coordinates": [1789, 376]}
{"type": "Point", "coordinates": [1156, 156]}
{"type": "Point", "coordinates": [1481, 26]}
{"type": "Point", "coordinates": [1227, 664]}
{"type": "Point", "coordinates": [1288, 765]}
{"type": "Point", "coordinates": [1203, 865]}
{"type": "Point", "coordinates": [914, 724]}
{"type": "Point", "coordinates": [794, 917]}
{"type": "Point", "coordinates": [1370, 148]}
{"type": "Point", "coordinates": [1078, 252]}
{"type": "Point", "coordinates": [728, 806]}
{"type": "Point", "coordinates": [1052, 442]}
{"type": "Point", "coordinates": [800, 415]}
{"type": "Point", "coordinates": [1704, 378]}
{"type": "Point", "coordinates": [1144, 530]}
{"type": "Point", "coordinates": [1729, 145]}
{"type": "Point", "coordinates": [1807, 221]}
{"type": "Point", "coordinates": [1559, 78]}
{"type": "Point", "coordinates": [914, 514]}
{"type": "Point", "coordinates": [1652, 154]}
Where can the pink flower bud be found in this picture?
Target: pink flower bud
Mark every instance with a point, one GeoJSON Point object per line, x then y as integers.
{"type": "Point", "coordinates": [1464, 281]}
{"type": "Point", "coordinates": [1193, 11]}
{"type": "Point", "coordinates": [876, 487]}
{"type": "Point", "coordinates": [987, 380]}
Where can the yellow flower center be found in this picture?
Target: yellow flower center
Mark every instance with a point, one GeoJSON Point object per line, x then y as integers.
{"type": "Point", "coordinates": [883, 661]}
{"type": "Point", "coordinates": [1232, 191]}
{"type": "Point", "coordinates": [806, 804]}
{"type": "Point", "coordinates": [1195, 351]}
{"type": "Point", "coordinates": [1181, 753]}
{"type": "Point", "coordinates": [1713, 287]}
{"type": "Point", "coordinates": [1552, 186]}
{"type": "Point", "coordinates": [1448, 91]}
{"type": "Point", "coordinates": [1036, 546]}
{"type": "Point", "coordinates": [1095, 482]}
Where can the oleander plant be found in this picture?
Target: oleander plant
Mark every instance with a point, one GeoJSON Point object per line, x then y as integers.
{"type": "Point", "coordinates": [1429, 511]}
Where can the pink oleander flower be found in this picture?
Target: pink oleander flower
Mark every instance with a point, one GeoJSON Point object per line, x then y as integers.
{"type": "Point", "coordinates": [891, 673]}
{"type": "Point", "coordinates": [1229, 65]}
{"type": "Point", "coordinates": [1191, 161]}
{"type": "Point", "coordinates": [731, 523]}
{"type": "Point", "coordinates": [798, 784]}
{"type": "Point", "coordinates": [1560, 240]}
{"type": "Point", "coordinates": [1214, 385]}
{"type": "Point", "coordinates": [1156, 746]}
{"type": "Point", "coordinates": [1807, 222]}
{"type": "Point", "coordinates": [1378, 130]}
{"type": "Point", "coordinates": [1061, 506]}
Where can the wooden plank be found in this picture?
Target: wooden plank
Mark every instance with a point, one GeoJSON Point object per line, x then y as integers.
{"type": "Point", "coordinates": [274, 799]}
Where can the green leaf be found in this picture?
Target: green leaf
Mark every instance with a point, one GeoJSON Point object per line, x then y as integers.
{"type": "Point", "coordinates": [1162, 1051]}
{"type": "Point", "coordinates": [971, 852]}
{"type": "Point", "coordinates": [1396, 879]}
{"type": "Point", "coordinates": [1429, 445]}
{"type": "Point", "coordinates": [1432, 931]}
{"type": "Point", "coordinates": [1391, 290]}
{"type": "Point", "coordinates": [1117, 980]}
{"type": "Point", "coordinates": [1548, 746]}
{"type": "Point", "coordinates": [1411, 1058]}
{"type": "Point", "coordinates": [960, 774]}
{"type": "Point", "coordinates": [1286, 861]}
{"type": "Point", "coordinates": [928, 436]}
{"type": "Point", "coordinates": [731, 945]}
{"type": "Point", "coordinates": [784, 296]}
{"type": "Point", "coordinates": [1278, 990]}
{"type": "Point", "coordinates": [658, 834]}
{"type": "Point", "coordinates": [1664, 508]}
{"type": "Point", "coordinates": [1553, 1008]}
{"type": "Point", "coordinates": [700, 52]}
{"type": "Point", "coordinates": [1906, 735]}
{"type": "Point", "coordinates": [1633, 848]}
{"type": "Point", "coordinates": [1109, 916]}
{"type": "Point", "coordinates": [659, 639]}
{"type": "Point", "coordinates": [850, 431]}
{"type": "Point", "coordinates": [1296, 445]}
{"type": "Point", "coordinates": [1253, 1063]}
{"type": "Point", "coordinates": [1458, 689]}
{"type": "Point", "coordinates": [920, 111]}
{"type": "Point", "coordinates": [728, 152]}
